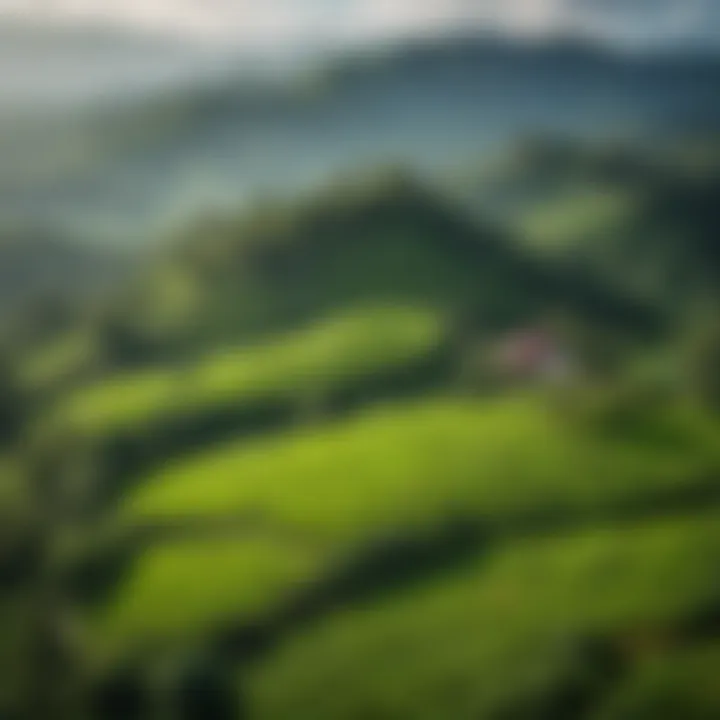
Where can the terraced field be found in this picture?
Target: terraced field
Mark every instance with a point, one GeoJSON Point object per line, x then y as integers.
{"type": "Point", "coordinates": [327, 358]}
{"type": "Point", "coordinates": [506, 630]}
{"type": "Point", "coordinates": [179, 591]}
{"type": "Point", "coordinates": [682, 684]}
{"type": "Point", "coordinates": [415, 464]}
{"type": "Point", "coordinates": [243, 528]}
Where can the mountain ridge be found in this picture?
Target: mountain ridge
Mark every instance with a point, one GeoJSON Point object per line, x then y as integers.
{"type": "Point", "coordinates": [217, 143]}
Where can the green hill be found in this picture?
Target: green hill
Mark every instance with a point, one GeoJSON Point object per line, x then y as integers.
{"type": "Point", "coordinates": [323, 450]}
{"type": "Point", "coordinates": [512, 634]}
{"type": "Point", "coordinates": [418, 464]}
{"type": "Point", "coordinates": [377, 500]}
{"type": "Point", "coordinates": [642, 219]}
{"type": "Point", "coordinates": [314, 363]}
{"type": "Point", "coordinates": [681, 684]}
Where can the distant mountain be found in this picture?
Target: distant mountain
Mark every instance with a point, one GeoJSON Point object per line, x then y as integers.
{"type": "Point", "coordinates": [658, 23]}
{"type": "Point", "coordinates": [645, 218]}
{"type": "Point", "coordinates": [389, 240]}
{"type": "Point", "coordinates": [136, 166]}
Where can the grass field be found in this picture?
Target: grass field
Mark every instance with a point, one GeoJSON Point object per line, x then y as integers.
{"type": "Point", "coordinates": [588, 215]}
{"type": "Point", "coordinates": [311, 497]}
{"type": "Point", "coordinates": [683, 684]}
{"type": "Point", "coordinates": [419, 464]}
{"type": "Point", "coordinates": [504, 628]}
{"type": "Point", "coordinates": [327, 357]}
{"type": "Point", "coordinates": [180, 590]}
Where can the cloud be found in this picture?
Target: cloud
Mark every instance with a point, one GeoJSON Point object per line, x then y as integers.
{"type": "Point", "coordinates": [284, 18]}
{"type": "Point", "coordinates": [287, 21]}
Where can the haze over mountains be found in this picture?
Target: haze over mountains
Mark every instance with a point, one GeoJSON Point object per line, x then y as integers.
{"type": "Point", "coordinates": [51, 49]}
{"type": "Point", "coordinates": [152, 131]}
{"type": "Point", "coordinates": [120, 122]}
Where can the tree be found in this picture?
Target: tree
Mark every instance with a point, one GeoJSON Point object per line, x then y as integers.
{"type": "Point", "coordinates": [207, 689]}
{"type": "Point", "coordinates": [12, 404]}
{"type": "Point", "coordinates": [704, 365]}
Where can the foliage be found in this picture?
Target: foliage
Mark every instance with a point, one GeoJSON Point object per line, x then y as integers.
{"type": "Point", "coordinates": [180, 590]}
{"type": "Point", "coordinates": [504, 630]}
{"type": "Point", "coordinates": [682, 684]}
{"type": "Point", "coordinates": [305, 489]}
{"type": "Point", "coordinates": [12, 404]}
{"type": "Point", "coordinates": [316, 361]}
{"type": "Point", "coordinates": [501, 461]}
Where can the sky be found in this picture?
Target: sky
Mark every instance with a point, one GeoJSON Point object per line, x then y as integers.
{"type": "Point", "coordinates": [338, 21]}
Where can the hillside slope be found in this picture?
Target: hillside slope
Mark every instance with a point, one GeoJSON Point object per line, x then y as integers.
{"type": "Point", "coordinates": [349, 458]}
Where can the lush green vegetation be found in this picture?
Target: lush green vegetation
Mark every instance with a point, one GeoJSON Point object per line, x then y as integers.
{"type": "Point", "coordinates": [570, 222]}
{"type": "Point", "coordinates": [501, 634]}
{"type": "Point", "coordinates": [307, 366]}
{"type": "Point", "coordinates": [683, 684]}
{"type": "Point", "coordinates": [421, 464]}
{"type": "Point", "coordinates": [178, 591]}
{"type": "Point", "coordinates": [362, 457]}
